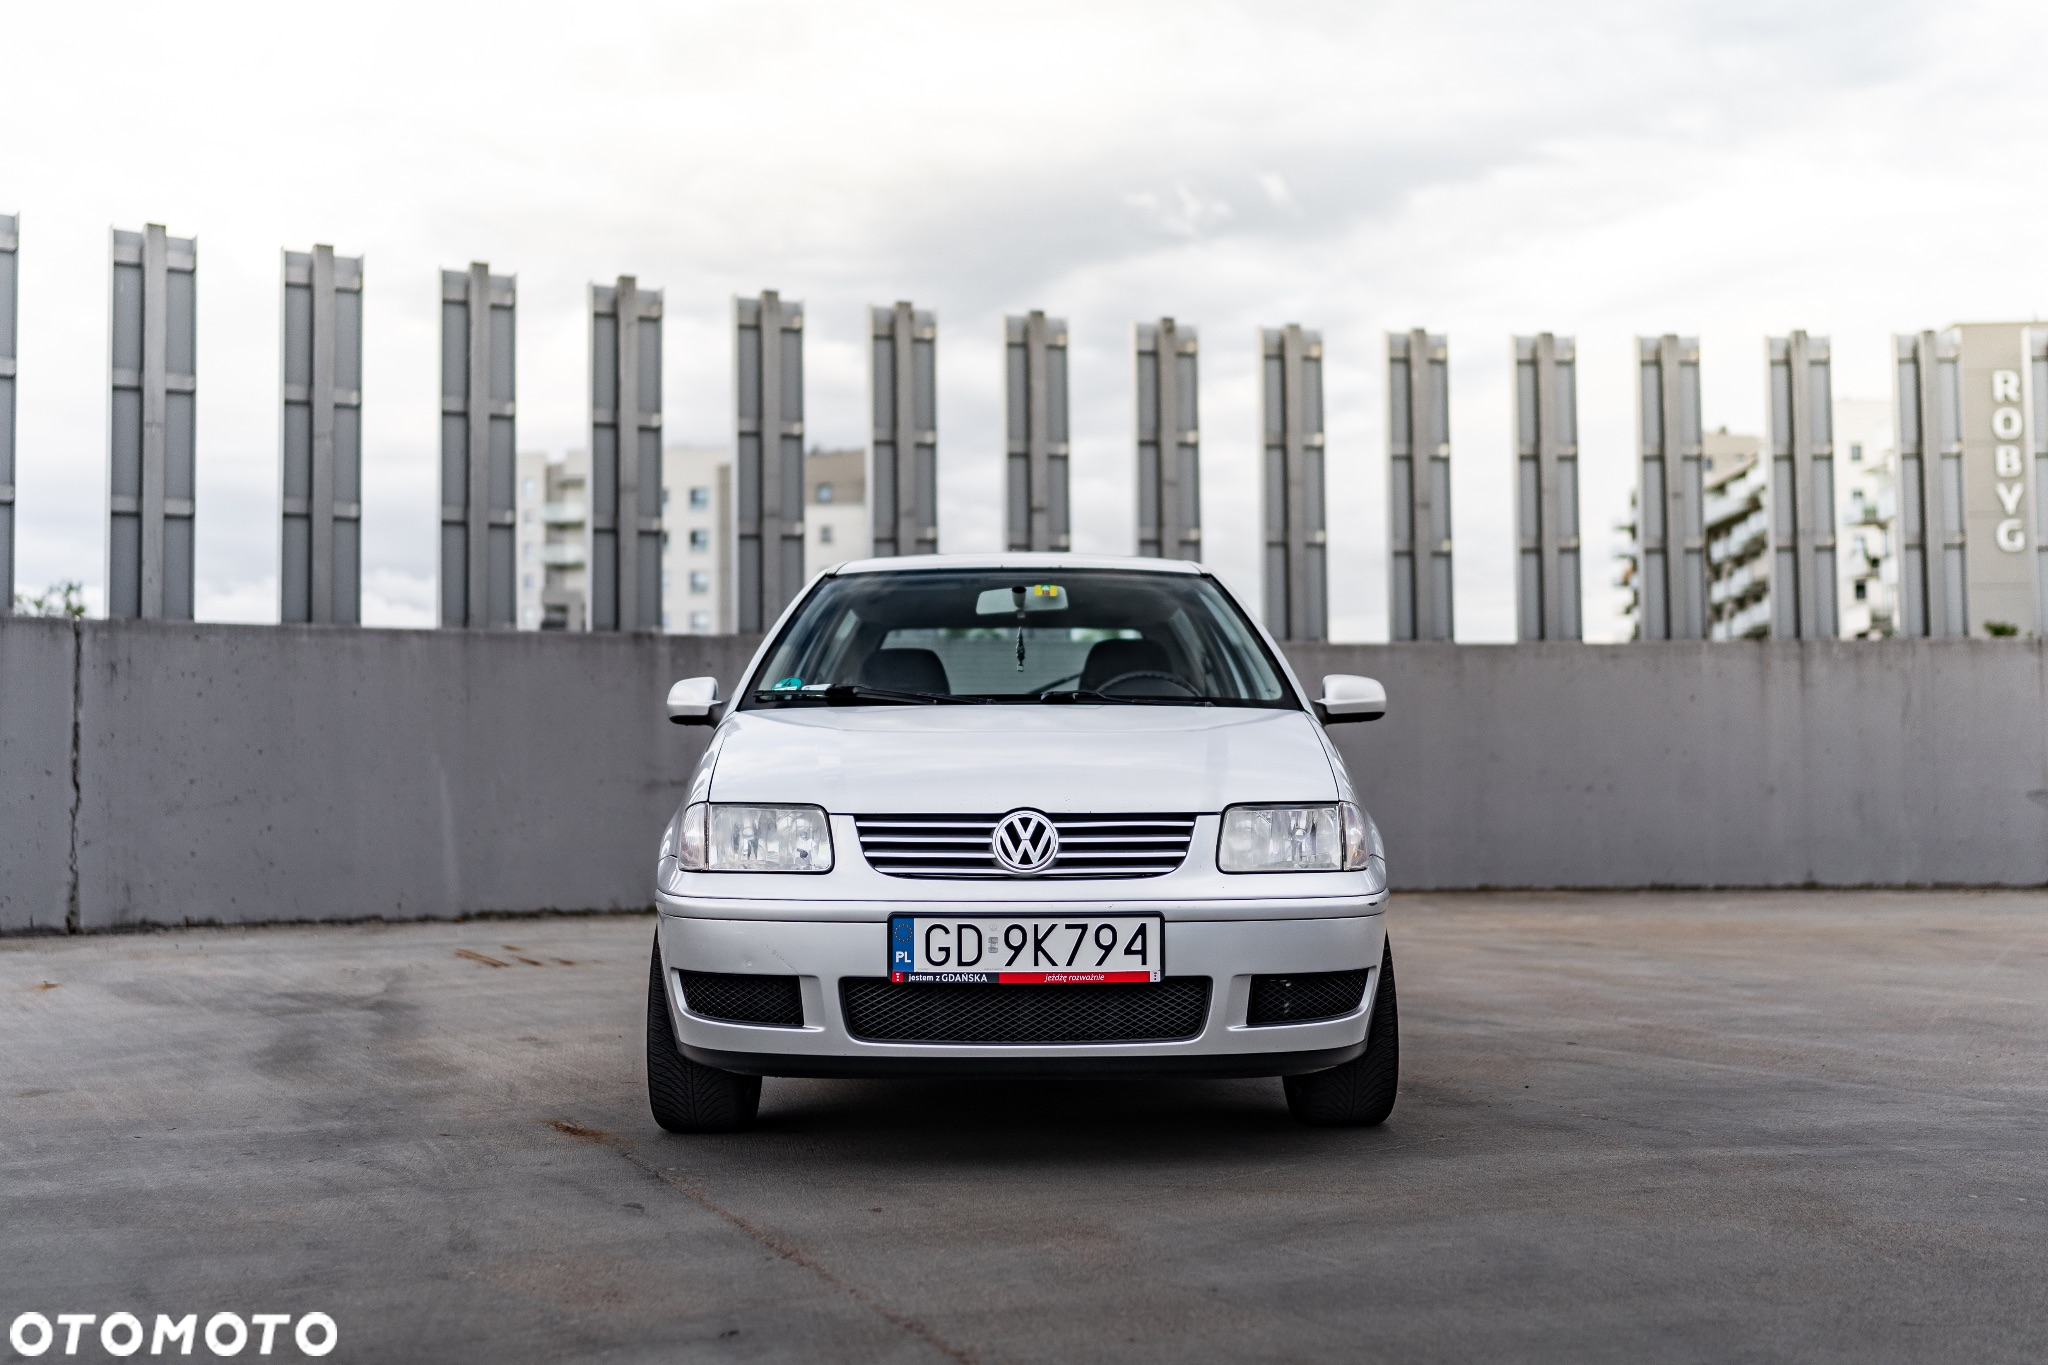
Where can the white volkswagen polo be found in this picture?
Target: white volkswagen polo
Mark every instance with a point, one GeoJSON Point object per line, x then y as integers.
{"type": "Point", "coordinates": [1020, 815]}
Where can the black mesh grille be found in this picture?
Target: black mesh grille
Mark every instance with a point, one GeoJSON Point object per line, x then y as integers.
{"type": "Point", "coordinates": [776, 1000]}
{"type": "Point", "coordinates": [1096, 847]}
{"type": "Point", "coordinates": [878, 1010]}
{"type": "Point", "coordinates": [1304, 996]}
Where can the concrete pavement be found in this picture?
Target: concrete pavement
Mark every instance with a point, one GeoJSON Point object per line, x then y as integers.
{"type": "Point", "coordinates": [1761, 1126]}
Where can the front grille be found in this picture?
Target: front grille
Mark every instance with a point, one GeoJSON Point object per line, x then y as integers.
{"type": "Point", "coordinates": [747, 999]}
{"type": "Point", "coordinates": [1091, 846]}
{"type": "Point", "coordinates": [880, 1011]}
{"type": "Point", "coordinates": [1304, 996]}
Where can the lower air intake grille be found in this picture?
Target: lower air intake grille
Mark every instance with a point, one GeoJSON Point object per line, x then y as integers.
{"type": "Point", "coordinates": [1305, 996]}
{"type": "Point", "coordinates": [776, 1000]}
{"type": "Point", "coordinates": [880, 1011]}
{"type": "Point", "coordinates": [1097, 847]}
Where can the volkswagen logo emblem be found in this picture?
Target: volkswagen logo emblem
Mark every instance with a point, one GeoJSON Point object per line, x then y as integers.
{"type": "Point", "coordinates": [1025, 842]}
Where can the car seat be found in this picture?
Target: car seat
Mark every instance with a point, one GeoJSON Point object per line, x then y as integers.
{"type": "Point", "coordinates": [905, 670]}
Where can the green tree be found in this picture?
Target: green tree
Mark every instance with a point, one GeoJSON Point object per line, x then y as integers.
{"type": "Point", "coordinates": [59, 599]}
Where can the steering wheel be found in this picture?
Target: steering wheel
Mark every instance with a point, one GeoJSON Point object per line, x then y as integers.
{"type": "Point", "coordinates": [1182, 683]}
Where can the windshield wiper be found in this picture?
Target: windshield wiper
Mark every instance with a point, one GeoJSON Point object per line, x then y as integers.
{"type": "Point", "coordinates": [850, 694]}
{"type": "Point", "coordinates": [844, 694]}
{"type": "Point", "coordinates": [1073, 694]}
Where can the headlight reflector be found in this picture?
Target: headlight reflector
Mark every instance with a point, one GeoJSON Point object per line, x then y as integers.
{"type": "Point", "coordinates": [1331, 837]}
{"type": "Point", "coordinates": [735, 838]}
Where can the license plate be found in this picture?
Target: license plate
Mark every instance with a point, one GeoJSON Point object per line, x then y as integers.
{"type": "Point", "coordinates": [1037, 950]}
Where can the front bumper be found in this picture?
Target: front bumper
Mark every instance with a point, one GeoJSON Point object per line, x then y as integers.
{"type": "Point", "coordinates": [1227, 951]}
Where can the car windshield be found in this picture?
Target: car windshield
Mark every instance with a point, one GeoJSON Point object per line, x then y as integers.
{"type": "Point", "coordinates": [1019, 636]}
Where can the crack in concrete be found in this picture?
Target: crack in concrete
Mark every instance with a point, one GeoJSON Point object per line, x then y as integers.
{"type": "Point", "coordinates": [781, 1246]}
{"type": "Point", "coordinates": [73, 921]}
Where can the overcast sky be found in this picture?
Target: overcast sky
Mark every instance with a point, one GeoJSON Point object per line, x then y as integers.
{"type": "Point", "coordinates": [1724, 169]}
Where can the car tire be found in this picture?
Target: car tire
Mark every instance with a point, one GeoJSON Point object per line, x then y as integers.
{"type": "Point", "coordinates": [1360, 1093]}
{"type": "Point", "coordinates": [687, 1097]}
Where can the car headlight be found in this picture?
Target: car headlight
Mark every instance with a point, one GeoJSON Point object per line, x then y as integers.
{"type": "Point", "coordinates": [1332, 837]}
{"type": "Point", "coordinates": [708, 837]}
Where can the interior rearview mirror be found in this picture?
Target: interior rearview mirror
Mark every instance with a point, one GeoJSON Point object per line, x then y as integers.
{"type": "Point", "coordinates": [1348, 697]}
{"type": "Point", "coordinates": [1024, 597]}
{"type": "Point", "coordinates": [694, 701]}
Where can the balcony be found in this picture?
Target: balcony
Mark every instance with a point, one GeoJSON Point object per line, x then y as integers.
{"type": "Point", "coordinates": [1750, 581]}
{"type": "Point", "coordinates": [562, 513]}
{"type": "Point", "coordinates": [1752, 622]}
{"type": "Point", "coordinates": [1722, 511]}
{"type": "Point", "coordinates": [563, 554]}
{"type": "Point", "coordinates": [1745, 542]}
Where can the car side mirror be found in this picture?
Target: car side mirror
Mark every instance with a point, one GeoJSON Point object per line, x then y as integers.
{"type": "Point", "coordinates": [694, 701]}
{"type": "Point", "coordinates": [1347, 697]}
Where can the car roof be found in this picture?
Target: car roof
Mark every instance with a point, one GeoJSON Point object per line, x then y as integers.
{"type": "Point", "coordinates": [1018, 559]}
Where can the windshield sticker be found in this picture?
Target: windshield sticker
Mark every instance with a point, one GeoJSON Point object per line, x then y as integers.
{"type": "Point", "coordinates": [788, 685]}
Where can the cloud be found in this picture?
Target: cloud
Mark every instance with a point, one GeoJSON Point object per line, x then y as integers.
{"type": "Point", "coordinates": [394, 597]}
{"type": "Point", "coordinates": [1600, 169]}
{"type": "Point", "coordinates": [1179, 212]}
{"type": "Point", "coordinates": [1277, 194]}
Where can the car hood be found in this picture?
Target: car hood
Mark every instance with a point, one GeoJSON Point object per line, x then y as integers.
{"type": "Point", "coordinates": [989, 759]}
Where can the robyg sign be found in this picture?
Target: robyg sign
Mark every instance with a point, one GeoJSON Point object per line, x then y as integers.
{"type": "Point", "coordinates": [2008, 424]}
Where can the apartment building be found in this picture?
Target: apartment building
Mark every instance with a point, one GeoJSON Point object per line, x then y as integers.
{"type": "Point", "coordinates": [696, 550]}
{"type": "Point", "coordinates": [836, 526]}
{"type": "Point", "coordinates": [1737, 514]}
{"type": "Point", "coordinates": [696, 516]}
{"type": "Point", "coordinates": [1866, 482]}
{"type": "Point", "coordinates": [550, 546]}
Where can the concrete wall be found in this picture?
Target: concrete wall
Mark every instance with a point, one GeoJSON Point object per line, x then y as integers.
{"type": "Point", "coordinates": [251, 773]}
{"type": "Point", "coordinates": [1742, 763]}
{"type": "Point", "coordinates": [37, 675]}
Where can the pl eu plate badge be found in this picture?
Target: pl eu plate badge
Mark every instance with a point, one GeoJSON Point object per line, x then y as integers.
{"type": "Point", "coordinates": [902, 949]}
